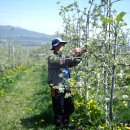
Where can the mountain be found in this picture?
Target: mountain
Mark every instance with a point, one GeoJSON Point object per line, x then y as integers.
{"type": "Point", "coordinates": [23, 36]}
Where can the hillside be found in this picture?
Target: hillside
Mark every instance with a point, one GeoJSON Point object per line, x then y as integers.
{"type": "Point", "coordinates": [22, 36]}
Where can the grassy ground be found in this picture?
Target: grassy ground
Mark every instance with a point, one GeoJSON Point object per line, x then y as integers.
{"type": "Point", "coordinates": [28, 105]}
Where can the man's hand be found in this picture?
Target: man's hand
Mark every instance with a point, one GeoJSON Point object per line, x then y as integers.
{"type": "Point", "coordinates": [77, 51]}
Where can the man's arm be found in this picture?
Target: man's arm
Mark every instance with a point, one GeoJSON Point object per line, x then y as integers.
{"type": "Point", "coordinates": [70, 60]}
{"type": "Point", "coordinates": [64, 61]}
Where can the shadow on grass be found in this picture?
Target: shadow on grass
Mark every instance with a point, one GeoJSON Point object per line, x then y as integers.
{"type": "Point", "coordinates": [39, 121]}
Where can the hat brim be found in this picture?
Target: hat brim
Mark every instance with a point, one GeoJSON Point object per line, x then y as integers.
{"type": "Point", "coordinates": [52, 48]}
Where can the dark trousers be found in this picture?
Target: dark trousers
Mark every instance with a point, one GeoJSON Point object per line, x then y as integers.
{"type": "Point", "coordinates": [63, 108]}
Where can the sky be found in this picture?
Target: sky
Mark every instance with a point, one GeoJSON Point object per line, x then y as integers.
{"type": "Point", "coordinates": [43, 15]}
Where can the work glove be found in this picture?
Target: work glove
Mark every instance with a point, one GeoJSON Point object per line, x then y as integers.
{"type": "Point", "coordinates": [78, 51]}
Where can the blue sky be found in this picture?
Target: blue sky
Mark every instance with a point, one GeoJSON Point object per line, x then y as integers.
{"type": "Point", "coordinates": [43, 15]}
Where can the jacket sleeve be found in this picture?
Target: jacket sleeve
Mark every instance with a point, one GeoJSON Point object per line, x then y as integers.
{"type": "Point", "coordinates": [64, 61]}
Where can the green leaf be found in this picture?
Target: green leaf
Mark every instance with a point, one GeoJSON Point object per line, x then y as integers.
{"type": "Point", "coordinates": [120, 16]}
{"type": "Point", "coordinates": [107, 20]}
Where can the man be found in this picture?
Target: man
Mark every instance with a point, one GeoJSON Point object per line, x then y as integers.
{"type": "Point", "coordinates": [58, 73]}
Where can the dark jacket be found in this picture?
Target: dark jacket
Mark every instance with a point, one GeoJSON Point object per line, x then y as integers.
{"type": "Point", "coordinates": [56, 63]}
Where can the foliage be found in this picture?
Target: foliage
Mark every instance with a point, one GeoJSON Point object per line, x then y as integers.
{"type": "Point", "coordinates": [14, 61]}
{"type": "Point", "coordinates": [9, 77]}
{"type": "Point", "coordinates": [122, 111]}
{"type": "Point", "coordinates": [88, 114]}
{"type": "Point", "coordinates": [101, 75]}
{"type": "Point", "coordinates": [13, 55]}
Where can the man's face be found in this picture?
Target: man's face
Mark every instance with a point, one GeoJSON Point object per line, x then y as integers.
{"type": "Point", "coordinates": [58, 47]}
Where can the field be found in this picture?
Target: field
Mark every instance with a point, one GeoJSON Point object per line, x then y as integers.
{"type": "Point", "coordinates": [27, 105]}
{"type": "Point", "coordinates": [100, 83]}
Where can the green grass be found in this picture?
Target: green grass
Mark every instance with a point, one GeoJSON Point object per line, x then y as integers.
{"type": "Point", "coordinates": [28, 105]}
